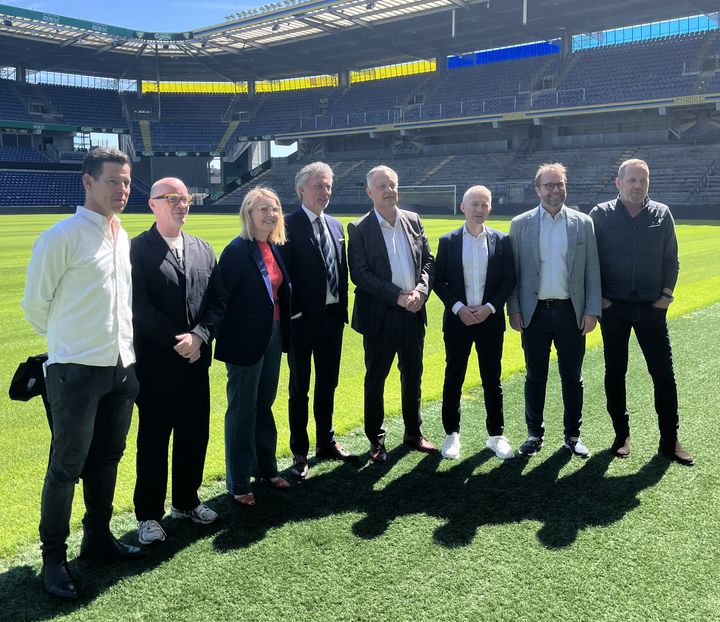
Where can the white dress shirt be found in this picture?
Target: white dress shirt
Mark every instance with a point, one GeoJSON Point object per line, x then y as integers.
{"type": "Point", "coordinates": [399, 253]}
{"type": "Point", "coordinates": [475, 263]}
{"type": "Point", "coordinates": [554, 279]}
{"type": "Point", "coordinates": [315, 223]}
{"type": "Point", "coordinates": [79, 291]}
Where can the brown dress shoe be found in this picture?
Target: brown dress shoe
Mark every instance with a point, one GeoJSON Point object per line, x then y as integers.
{"type": "Point", "coordinates": [621, 446]}
{"type": "Point", "coordinates": [677, 452]}
{"type": "Point", "coordinates": [419, 442]}
{"type": "Point", "coordinates": [333, 452]}
{"type": "Point", "coordinates": [378, 453]}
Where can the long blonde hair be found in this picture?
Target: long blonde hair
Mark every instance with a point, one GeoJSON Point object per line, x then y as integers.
{"type": "Point", "coordinates": [250, 202]}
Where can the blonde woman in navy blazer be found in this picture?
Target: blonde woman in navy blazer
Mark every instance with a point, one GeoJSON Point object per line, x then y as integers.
{"type": "Point", "coordinates": [251, 340]}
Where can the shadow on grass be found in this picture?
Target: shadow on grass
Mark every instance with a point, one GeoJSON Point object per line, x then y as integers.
{"type": "Point", "coordinates": [464, 500]}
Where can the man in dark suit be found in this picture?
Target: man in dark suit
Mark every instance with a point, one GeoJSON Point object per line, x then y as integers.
{"type": "Point", "coordinates": [392, 267]}
{"type": "Point", "coordinates": [314, 256]}
{"type": "Point", "coordinates": [177, 304]}
{"type": "Point", "coordinates": [474, 275]}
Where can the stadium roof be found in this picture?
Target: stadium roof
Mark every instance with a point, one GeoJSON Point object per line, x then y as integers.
{"type": "Point", "coordinates": [298, 38]}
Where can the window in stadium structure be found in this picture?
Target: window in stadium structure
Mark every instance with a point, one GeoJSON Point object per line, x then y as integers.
{"type": "Point", "coordinates": [500, 55]}
{"type": "Point", "coordinates": [193, 87]}
{"type": "Point", "coordinates": [646, 32]}
{"type": "Point", "coordinates": [393, 71]}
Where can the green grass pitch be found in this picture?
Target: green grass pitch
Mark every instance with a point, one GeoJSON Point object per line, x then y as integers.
{"type": "Point", "coordinates": [423, 538]}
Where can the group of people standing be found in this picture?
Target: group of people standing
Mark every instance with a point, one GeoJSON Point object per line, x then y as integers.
{"type": "Point", "coordinates": [133, 322]}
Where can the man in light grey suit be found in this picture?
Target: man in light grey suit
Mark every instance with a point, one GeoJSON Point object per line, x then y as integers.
{"type": "Point", "coordinates": [556, 300]}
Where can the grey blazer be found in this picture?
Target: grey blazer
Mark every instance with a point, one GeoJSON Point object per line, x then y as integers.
{"type": "Point", "coordinates": [582, 262]}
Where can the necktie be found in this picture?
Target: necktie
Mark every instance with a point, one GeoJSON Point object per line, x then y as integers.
{"type": "Point", "coordinates": [178, 256]}
{"type": "Point", "coordinates": [328, 257]}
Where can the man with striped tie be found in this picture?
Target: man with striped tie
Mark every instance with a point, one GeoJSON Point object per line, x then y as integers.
{"type": "Point", "coordinates": [314, 256]}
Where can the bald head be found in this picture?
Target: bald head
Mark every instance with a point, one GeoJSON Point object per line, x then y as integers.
{"type": "Point", "coordinates": [170, 202]}
{"type": "Point", "coordinates": [476, 205]}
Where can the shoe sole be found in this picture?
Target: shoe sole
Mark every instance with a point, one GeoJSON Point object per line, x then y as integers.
{"type": "Point", "coordinates": [194, 519]}
{"type": "Point", "coordinates": [529, 453]}
{"type": "Point", "coordinates": [151, 542]}
{"type": "Point", "coordinates": [575, 453]}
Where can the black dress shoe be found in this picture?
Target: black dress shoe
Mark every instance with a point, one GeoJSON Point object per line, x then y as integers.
{"type": "Point", "coordinates": [109, 548]}
{"type": "Point", "coordinates": [378, 453]}
{"type": "Point", "coordinates": [300, 467]}
{"type": "Point", "coordinates": [334, 452]}
{"type": "Point", "coordinates": [57, 580]}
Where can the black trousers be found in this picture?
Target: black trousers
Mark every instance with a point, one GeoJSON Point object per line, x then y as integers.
{"type": "Point", "coordinates": [650, 326]}
{"type": "Point", "coordinates": [558, 326]}
{"type": "Point", "coordinates": [488, 340]}
{"type": "Point", "coordinates": [402, 333]}
{"type": "Point", "coordinates": [173, 399]}
{"type": "Point", "coordinates": [320, 342]}
{"type": "Point", "coordinates": [91, 408]}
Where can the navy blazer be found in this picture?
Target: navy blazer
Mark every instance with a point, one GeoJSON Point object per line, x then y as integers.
{"type": "Point", "coordinates": [370, 269]}
{"type": "Point", "coordinates": [450, 276]}
{"type": "Point", "coordinates": [245, 331]}
{"type": "Point", "coordinates": [169, 300]}
{"type": "Point", "coordinates": [304, 262]}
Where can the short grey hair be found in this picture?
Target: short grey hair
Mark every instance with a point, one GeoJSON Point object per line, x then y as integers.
{"type": "Point", "coordinates": [632, 162]}
{"type": "Point", "coordinates": [473, 190]}
{"type": "Point", "coordinates": [307, 171]}
{"type": "Point", "coordinates": [550, 166]}
{"type": "Point", "coordinates": [378, 169]}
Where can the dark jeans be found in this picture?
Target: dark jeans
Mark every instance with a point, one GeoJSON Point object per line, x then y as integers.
{"type": "Point", "coordinates": [321, 342]}
{"type": "Point", "coordinates": [184, 412]}
{"type": "Point", "coordinates": [402, 333]}
{"type": "Point", "coordinates": [556, 325]}
{"type": "Point", "coordinates": [250, 432]}
{"type": "Point", "coordinates": [92, 409]}
{"type": "Point", "coordinates": [488, 340]}
{"type": "Point", "coordinates": [651, 330]}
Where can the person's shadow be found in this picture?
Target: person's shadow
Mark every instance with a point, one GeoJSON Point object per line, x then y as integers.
{"type": "Point", "coordinates": [464, 500]}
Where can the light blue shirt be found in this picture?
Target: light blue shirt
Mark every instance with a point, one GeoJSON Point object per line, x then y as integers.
{"type": "Point", "coordinates": [554, 282]}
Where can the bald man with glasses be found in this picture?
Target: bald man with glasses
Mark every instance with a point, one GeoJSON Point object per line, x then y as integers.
{"type": "Point", "coordinates": [177, 304]}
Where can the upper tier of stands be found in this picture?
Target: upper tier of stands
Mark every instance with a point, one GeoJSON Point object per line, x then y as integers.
{"type": "Point", "coordinates": [644, 70]}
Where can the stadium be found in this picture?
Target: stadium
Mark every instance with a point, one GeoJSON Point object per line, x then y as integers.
{"type": "Point", "coordinates": [449, 93]}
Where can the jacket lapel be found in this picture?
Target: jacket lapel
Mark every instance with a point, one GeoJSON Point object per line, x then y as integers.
{"type": "Point", "coordinates": [534, 236]}
{"type": "Point", "coordinates": [411, 240]}
{"type": "Point", "coordinates": [188, 253]}
{"type": "Point", "coordinates": [379, 238]}
{"type": "Point", "coordinates": [571, 224]}
{"type": "Point", "coordinates": [256, 254]}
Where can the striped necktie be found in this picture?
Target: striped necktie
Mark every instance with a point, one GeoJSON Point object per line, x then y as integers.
{"type": "Point", "coordinates": [327, 256]}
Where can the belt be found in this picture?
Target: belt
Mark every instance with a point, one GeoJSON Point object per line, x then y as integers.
{"type": "Point", "coordinates": [554, 303]}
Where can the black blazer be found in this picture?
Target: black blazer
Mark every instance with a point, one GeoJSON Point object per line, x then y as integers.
{"type": "Point", "coordinates": [450, 277]}
{"type": "Point", "coordinates": [168, 300]}
{"type": "Point", "coordinates": [304, 262]}
{"type": "Point", "coordinates": [247, 326]}
{"type": "Point", "coordinates": [370, 269]}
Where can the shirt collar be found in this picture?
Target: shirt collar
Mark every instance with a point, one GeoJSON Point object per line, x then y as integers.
{"type": "Point", "coordinates": [382, 220]}
{"type": "Point", "coordinates": [312, 216]}
{"type": "Point", "coordinates": [479, 236]}
{"type": "Point", "coordinates": [544, 213]}
{"type": "Point", "coordinates": [96, 218]}
{"type": "Point", "coordinates": [645, 202]}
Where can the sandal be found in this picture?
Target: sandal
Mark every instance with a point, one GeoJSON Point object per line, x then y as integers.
{"type": "Point", "coordinates": [248, 499]}
{"type": "Point", "coordinates": [276, 482]}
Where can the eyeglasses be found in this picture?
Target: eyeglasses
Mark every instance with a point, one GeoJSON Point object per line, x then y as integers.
{"type": "Point", "coordinates": [265, 210]}
{"type": "Point", "coordinates": [550, 186]}
{"type": "Point", "coordinates": [175, 199]}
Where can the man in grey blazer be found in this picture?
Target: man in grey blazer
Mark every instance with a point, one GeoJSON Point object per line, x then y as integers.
{"type": "Point", "coordinates": [392, 267]}
{"type": "Point", "coordinates": [556, 300]}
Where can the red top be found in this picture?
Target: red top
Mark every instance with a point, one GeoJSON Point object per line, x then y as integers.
{"type": "Point", "coordinates": [274, 272]}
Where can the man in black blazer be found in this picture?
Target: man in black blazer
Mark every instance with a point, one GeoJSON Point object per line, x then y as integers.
{"type": "Point", "coordinates": [392, 267]}
{"type": "Point", "coordinates": [177, 304]}
{"type": "Point", "coordinates": [474, 275]}
{"type": "Point", "coordinates": [314, 256]}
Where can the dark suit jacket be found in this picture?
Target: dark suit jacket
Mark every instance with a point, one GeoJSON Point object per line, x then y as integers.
{"type": "Point", "coordinates": [246, 329]}
{"type": "Point", "coordinates": [304, 262]}
{"type": "Point", "coordinates": [168, 301]}
{"type": "Point", "coordinates": [450, 276]}
{"type": "Point", "coordinates": [370, 269]}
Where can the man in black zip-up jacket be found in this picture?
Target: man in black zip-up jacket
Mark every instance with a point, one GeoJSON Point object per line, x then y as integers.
{"type": "Point", "coordinates": [638, 252]}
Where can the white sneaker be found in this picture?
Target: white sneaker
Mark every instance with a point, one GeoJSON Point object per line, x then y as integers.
{"type": "Point", "coordinates": [150, 531]}
{"type": "Point", "coordinates": [451, 446]}
{"type": "Point", "coordinates": [201, 514]}
{"type": "Point", "coordinates": [501, 446]}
